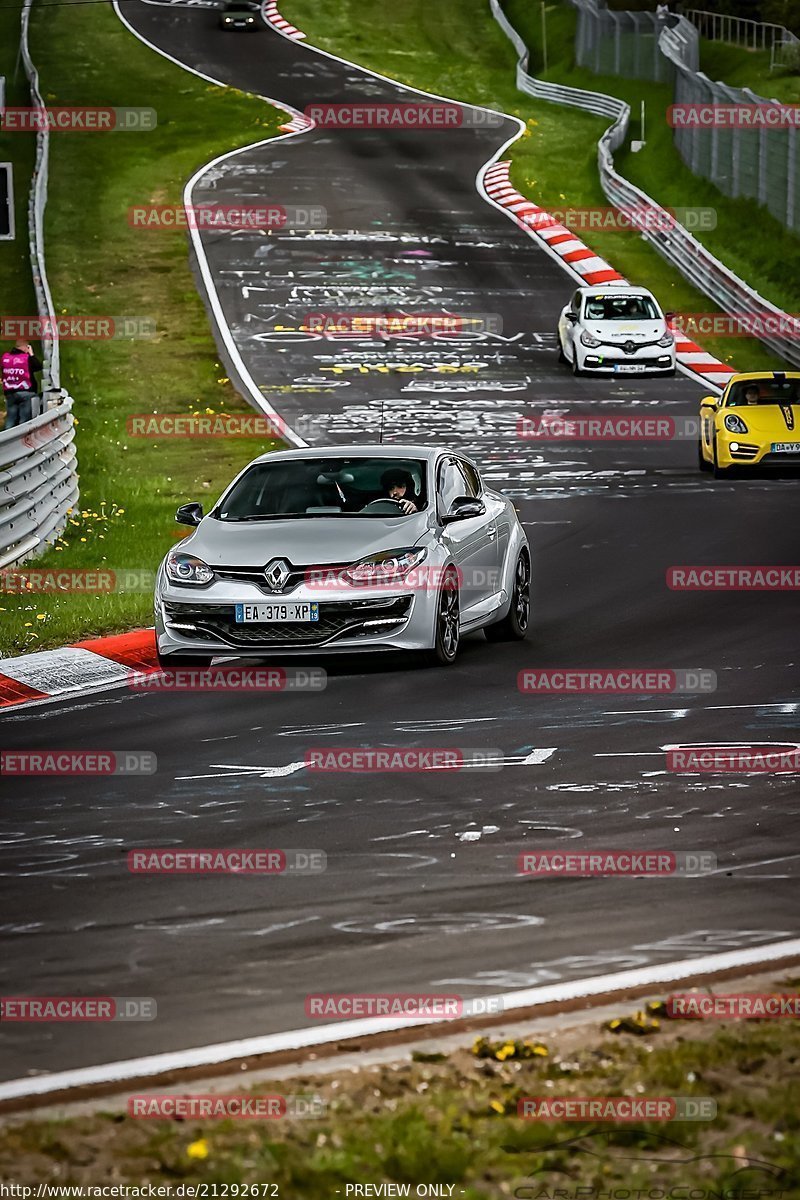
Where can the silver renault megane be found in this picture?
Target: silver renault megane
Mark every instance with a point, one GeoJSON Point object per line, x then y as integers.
{"type": "Point", "coordinates": [345, 549]}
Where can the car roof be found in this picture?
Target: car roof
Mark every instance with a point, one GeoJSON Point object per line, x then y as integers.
{"type": "Point", "coordinates": [365, 449]}
{"type": "Point", "coordinates": [619, 289]}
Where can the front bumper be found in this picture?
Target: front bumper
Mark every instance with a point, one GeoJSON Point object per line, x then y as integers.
{"type": "Point", "coordinates": [200, 621]}
{"type": "Point", "coordinates": [736, 450]}
{"type": "Point", "coordinates": [613, 360]}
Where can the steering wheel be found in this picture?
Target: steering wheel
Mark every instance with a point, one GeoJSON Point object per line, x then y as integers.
{"type": "Point", "coordinates": [383, 500]}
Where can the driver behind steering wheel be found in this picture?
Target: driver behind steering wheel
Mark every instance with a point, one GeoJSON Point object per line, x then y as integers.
{"type": "Point", "coordinates": [398, 485]}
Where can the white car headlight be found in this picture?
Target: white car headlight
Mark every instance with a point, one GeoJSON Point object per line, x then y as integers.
{"type": "Point", "coordinates": [666, 340]}
{"type": "Point", "coordinates": [588, 339]}
{"type": "Point", "coordinates": [735, 424]}
{"type": "Point", "coordinates": [386, 567]}
{"type": "Point", "coordinates": [185, 568]}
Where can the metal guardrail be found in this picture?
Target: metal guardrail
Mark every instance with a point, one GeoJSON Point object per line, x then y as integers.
{"type": "Point", "coordinates": [38, 469]}
{"type": "Point", "coordinates": [38, 483]}
{"type": "Point", "coordinates": [672, 241]}
{"type": "Point", "coordinates": [762, 162]}
{"type": "Point", "coordinates": [742, 31]}
{"type": "Point", "coordinates": [37, 202]}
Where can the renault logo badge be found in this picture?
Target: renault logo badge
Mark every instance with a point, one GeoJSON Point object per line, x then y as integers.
{"type": "Point", "coordinates": [276, 573]}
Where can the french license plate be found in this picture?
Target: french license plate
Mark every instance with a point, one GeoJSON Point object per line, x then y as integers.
{"type": "Point", "coordinates": [630, 368]}
{"type": "Point", "coordinates": [297, 612]}
{"type": "Point", "coordinates": [786, 447]}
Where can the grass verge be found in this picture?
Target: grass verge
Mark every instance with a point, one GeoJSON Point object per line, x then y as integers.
{"type": "Point", "coordinates": [739, 67]}
{"type": "Point", "coordinates": [99, 265]}
{"type": "Point", "coordinates": [451, 1120]}
{"type": "Point", "coordinates": [456, 49]}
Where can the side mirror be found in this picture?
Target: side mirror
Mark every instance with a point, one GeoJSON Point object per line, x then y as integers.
{"type": "Point", "coordinates": [464, 507]}
{"type": "Point", "coordinates": [189, 514]}
{"type": "Point", "coordinates": [710, 402]}
{"type": "Point", "coordinates": [572, 317]}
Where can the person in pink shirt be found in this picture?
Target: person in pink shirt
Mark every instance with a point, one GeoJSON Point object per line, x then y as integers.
{"type": "Point", "coordinates": [19, 369]}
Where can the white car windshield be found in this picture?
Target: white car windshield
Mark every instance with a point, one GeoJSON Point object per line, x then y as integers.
{"type": "Point", "coordinates": [325, 487]}
{"type": "Point", "coordinates": [620, 308]}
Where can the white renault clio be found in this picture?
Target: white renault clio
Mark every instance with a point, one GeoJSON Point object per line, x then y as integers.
{"type": "Point", "coordinates": [615, 330]}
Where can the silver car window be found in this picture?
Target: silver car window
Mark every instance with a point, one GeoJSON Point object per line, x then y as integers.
{"type": "Point", "coordinates": [452, 484]}
{"type": "Point", "coordinates": [472, 477]}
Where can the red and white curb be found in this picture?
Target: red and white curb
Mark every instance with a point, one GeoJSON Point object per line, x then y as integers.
{"type": "Point", "coordinates": [273, 17]}
{"type": "Point", "coordinates": [298, 124]}
{"type": "Point", "coordinates": [584, 262]}
{"type": "Point", "coordinates": [84, 665]}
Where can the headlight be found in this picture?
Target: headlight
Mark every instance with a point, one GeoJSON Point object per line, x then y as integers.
{"type": "Point", "coordinates": [666, 340]}
{"type": "Point", "coordinates": [185, 568]}
{"type": "Point", "coordinates": [588, 339]}
{"type": "Point", "coordinates": [735, 424]}
{"type": "Point", "coordinates": [386, 567]}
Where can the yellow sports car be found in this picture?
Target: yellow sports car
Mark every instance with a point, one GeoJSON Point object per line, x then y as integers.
{"type": "Point", "coordinates": [756, 421]}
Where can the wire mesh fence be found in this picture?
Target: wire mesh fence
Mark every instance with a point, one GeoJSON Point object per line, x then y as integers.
{"type": "Point", "coordinates": [744, 143]}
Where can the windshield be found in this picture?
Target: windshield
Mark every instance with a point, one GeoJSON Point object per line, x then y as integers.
{"type": "Point", "coordinates": [326, 487]}
{"type": "Point", "coordinates": [763, 391]}
{"type": "Point", "coordinates": [620, 308]}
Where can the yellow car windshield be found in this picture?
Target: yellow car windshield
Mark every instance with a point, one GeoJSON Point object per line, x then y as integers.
{"type": "Point", "coordinates": [763, 391]}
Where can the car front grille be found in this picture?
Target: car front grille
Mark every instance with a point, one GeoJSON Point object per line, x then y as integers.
{"type": "Point", "coordinates": [629, 346]}
{"type": "Point", "coordinates": [337, 619]}
{"type": "Point", "coordinates": [780, 460]}
{"type": "Point", "coordinates": [297, 575]}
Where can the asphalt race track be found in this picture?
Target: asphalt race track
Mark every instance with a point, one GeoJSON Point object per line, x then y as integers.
{"type": "Point", "coordinates": [421, 890]}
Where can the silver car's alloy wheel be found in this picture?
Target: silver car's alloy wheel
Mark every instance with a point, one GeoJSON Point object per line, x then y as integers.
{"type": "Point", "coordinates": [521, 600]}
{"type": "Point", "coordinates": [514, 626]}
{"type": "Point", "coordinates": [448, 623]}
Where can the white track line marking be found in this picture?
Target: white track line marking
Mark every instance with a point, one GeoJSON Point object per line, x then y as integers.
{"type": "Point", "coordinates": [761, 862]}
{"type": "Point", "coordinates": [297, 1039]}
{"type": "Point", "coordinates": [786, 706]}
{"type": "Point", "coordinates": [261, 402]}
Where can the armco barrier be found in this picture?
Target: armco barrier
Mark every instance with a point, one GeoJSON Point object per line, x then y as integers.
{"type": "Point", "coordinates": [38, 483]}
{"type": "Point", "coordinates": [36, 206]}
{"type": "Point", "coordinates": [38, 469]}
{"type": "Point", "coordinates": [671, 240]}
